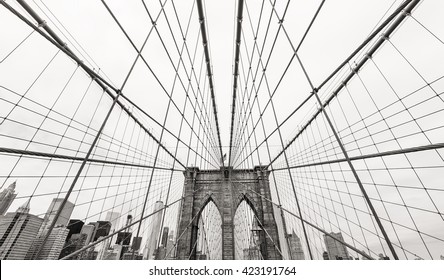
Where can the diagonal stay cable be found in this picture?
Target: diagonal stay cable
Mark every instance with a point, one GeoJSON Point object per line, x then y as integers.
{"type": "Point", "coordinates": [96, 77]}
{"type": "Point", "coordinates": [148, 65]}
{"type": "Point", "coordinates": [240, 9]}
{"type": "Point", "coordinates": [317, 228]}
{"type": "Point", "coordinates": [408, 5]}
{"type": "Point", "coordinates": [203, 31]}
{"type": "Point", "coordinates": [97, 137]}
{"type": "Point", "coordinates": [282, 77]}
{"type": "Point", "coordinates": [126, 227]}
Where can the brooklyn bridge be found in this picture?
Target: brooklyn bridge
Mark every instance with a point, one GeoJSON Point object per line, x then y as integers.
{"type": "Point", "coordinates": [220, 130]}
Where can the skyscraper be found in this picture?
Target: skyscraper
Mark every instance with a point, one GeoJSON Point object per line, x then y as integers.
{"type": "Point", "coordinates": [74, 226]}
{"type": "Point", "coordinates": [281, 226]}
{"type": "Point", "coordinates": [7, 196]}
{"type": "Point", "coordinates": [102, 248]}
{"type": "Point", "coordinates": [114, 219]}
{"type": "Point", "coordinates": [119, 250]}
{"type": "Point", "coordinates": [107, 250]}
{"type": "Point", "coordinates": [17, 231]}
{"type": "Point", "coordinates": [74, 243]}
{"type": "Point", "coordinates": [153, 232]}
{"type": "Point", "coordinates": [161, 251]}
{"type": "Point", "coordinates": [165, 236]}
{"type": "Point", "coordinates": [170, 254]}
{"type": "Point", "coordinates": [53, 246]}
{"type": "Point", "coordinates": [102, 229]}
{"type": "Point", "coordinates": [54, 243]}
{"type": "Point", "coordinates": [50, 214]}
{"type": "Point", "coordinates": [297, 253]}
{"type": "Point", "coordinates": [171, 236]}
{"type": "Point", "coordinates": [135, 246]}
{"type": "Point", "coordinates": [90, 231]}
{"type": "Point", "coordinates": [129, 221]}
{"type": "Point", "coordinates": [253, 252]}
{"type": "Point", "coordinates": [335, 249]}
{"type": "Point", "coordinates": [124, 238]}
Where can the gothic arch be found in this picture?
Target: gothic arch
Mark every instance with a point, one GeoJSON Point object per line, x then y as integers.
{"type": "Point", "coordinates": [249, 200]}
{"type": "Point", "coordinates": [209, 198]}
{"type": "Point", "coordinates": [227, 193]}
{"type": "Point", "coordinates": [208, 243]}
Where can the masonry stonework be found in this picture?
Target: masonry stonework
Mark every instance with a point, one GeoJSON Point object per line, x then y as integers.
{"type": "Point", "coordinates": [227, 188]}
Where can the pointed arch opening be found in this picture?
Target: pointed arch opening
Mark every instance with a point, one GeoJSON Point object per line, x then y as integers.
{"type": "Point", "coordinates": [208, 244]}
{"type": "Point", "coordinates": [247, 232]}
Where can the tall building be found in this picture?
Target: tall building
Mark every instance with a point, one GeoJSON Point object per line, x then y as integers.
{"type": "Point", "coordinates": [129, 220]}
{"type": "Point", "coordinates": [135, 246]}
{"type": "Point", "coordinates": [50, 214]}
{"type": "Point", "coordinates": [54, 243]}
{"type": "Point", "coordinates": [171, 236]}
{"type": "Point", "coordinates": [165, 236]}
{"type": "Point", "coordinates": [106, 250]}
{"type": "Point", "coordinates": [18, 231]}
{"type": "Point", "coordinates": [119, 250]}
{"type": "Point", "coordinates": [282, 231]}
{"type": "Point", "coordinates": [335, 250]}
{"type": "Point", "coordinates": [253, 252]}
{"type": "Point", "coordinates": [102, 229]}
{"type": "Point", "coordinates": [75, 239]}
{"type": "Point", "coordinates": [103, 248]}
{"type": "Point", "coordinates": [114, 219]}
{"type": "Point", "coordinates": [161, 251]}
{"type": "Point", "coordinates": [170, 253]}
{"type": "Point", "coordinates": [53, 246]}
{"type": "Point", "coordinates": [297, 253]}
{"type": "Point", "coordinates": [90, 231]}
{"type": "Point", "coordinates": [123, 238]}
{"type": "Point", "coordinates": [74, 243]}
{"type": "Point", "coordinates": [74, 226]}
{"type": "Point", "coordinates": [7, 196]}
{"type": "Point", "coordinates": [153, 232]}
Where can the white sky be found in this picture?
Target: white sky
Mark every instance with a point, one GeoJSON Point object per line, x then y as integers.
{"type": "Point", "coordinates": [342, 25]}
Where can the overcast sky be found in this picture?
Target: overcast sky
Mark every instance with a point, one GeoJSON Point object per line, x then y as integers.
{"type": "Point", "coordinates": [342, 25]}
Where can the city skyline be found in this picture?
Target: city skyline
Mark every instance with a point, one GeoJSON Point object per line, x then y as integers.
{"type": "Point", "coordinates": [59, 241]}
{"type": "Point", "coordinates": [63, 234]}
{"type": "Point", "coordinates": [265, 130]}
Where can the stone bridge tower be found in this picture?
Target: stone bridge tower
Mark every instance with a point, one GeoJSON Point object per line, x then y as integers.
{"type": "Point", "coordinates": [227, 188]}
